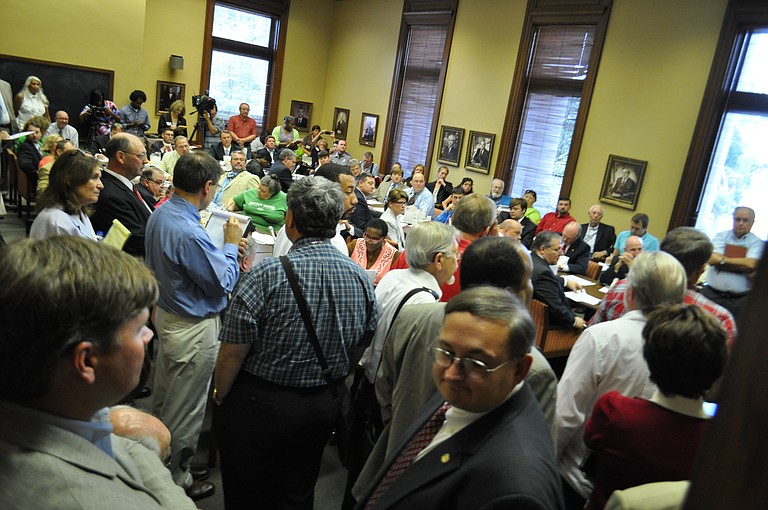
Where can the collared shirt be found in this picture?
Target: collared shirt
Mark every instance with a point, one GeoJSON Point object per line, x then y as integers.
{"type": "Point", "coordinates": [551, 221]}
{"type": "Point", "coordinates": [606, 357]}
{"type": "Point", "coordinates": [67, 133]}
{"type": "Point", "coordinates": [263, 312]}
{"type": "Point", "coordinates": [341, 158]}
{"type": "Point", "coordinates": [194, 275]}
{"type": "Point", "coordinates": [424, 201]}
{"type": "Point", "coordinates": [130, 114]}
{"type": "Point", "coordinates": [732, 281]}
{"type": "Point", "coordinates": [612, 307]}
{"type": "Point", "coordinates": [96, 431]}
{"type": "Point", "coordinates": [242, 128]}
{"type": "Point", "coordinates": [590, 236]}
{"type": "Point", "coordinates": [390, 291]}
{"type": "Point", "coordinates": [650, 243]}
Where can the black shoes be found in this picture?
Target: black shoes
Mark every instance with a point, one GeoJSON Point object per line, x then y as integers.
{"type": "Point", "coordinates": [199, 490]}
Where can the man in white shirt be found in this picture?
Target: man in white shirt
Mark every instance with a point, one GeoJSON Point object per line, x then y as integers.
{"type": "Point", "coordinates": [608, 357]}
{"type": "Point", "coordinates": [62, 128]}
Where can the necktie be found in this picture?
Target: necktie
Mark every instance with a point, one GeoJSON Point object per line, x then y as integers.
{"type": "Point", "coordinates": [412, 200]}
{"type": "Point", "coordinates": [420, 441]}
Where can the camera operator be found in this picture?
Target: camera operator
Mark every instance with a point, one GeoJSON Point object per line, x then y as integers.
{"type": "Point", "coordinates": [310, 141]}
{"type": "Point", "coordinates": [210, 124]}
{"type": "Point", "coordinates": [99, 114]}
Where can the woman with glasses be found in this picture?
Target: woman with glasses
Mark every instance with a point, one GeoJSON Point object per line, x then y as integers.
{"type": "Point", "coordinates": [74, 185]}
{"type": "Point", "coordinates": [396, 202]}
{"type": "Point", "coordinates": [372, 251]}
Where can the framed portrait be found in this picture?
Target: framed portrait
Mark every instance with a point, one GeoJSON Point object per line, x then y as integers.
{"type": "Point", "coordinates": [622, 182]}
{"type": "Point", "coordinates": [340, 122]}
{"type": "Point", "coordinates": [369, 128]}
{"type": "Point", "coordinates": [449, 148]}
{"type": "Point", "coordinates": [479, 151]}
{"type": "Point", "coordinates": [302, 112]}
{"type": "Point", "coordinates": [167, 93]}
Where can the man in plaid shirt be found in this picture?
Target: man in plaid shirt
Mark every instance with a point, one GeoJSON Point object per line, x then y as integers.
{"type": "Point", "coordinates": [692, 248]}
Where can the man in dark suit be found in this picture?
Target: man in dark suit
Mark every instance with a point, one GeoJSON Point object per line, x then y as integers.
{"type": "Point", "coordinates": [151, 185]}
{"type": "Point", "coordinates": [444, 188]}
{"type": "Point", "coordinates": [599, 236]}
{"type": "Point", "coordinates": [268, 154]}
{"type": "Point", "coordinates": [99, 143]}
{"type": "Point", "coordinates": [624, 186]}
{"type": "Point", "coordinates": [549, 288]}
{"type": "Point", "coordinates": [120, 199]}
{"type": "Point", "coordinates": [503, 455]}
{"type": "Point", "coordinates": [450, 150]}
{"type": "Point", "coordinates": [164, 146]}
{"type": "Point", "coordinates": [362, 213]}
{"type": "Point", "coordinates": [517, 208]}
{"type": "Point", "coordinates": [480, 159]}
{"type": "Point", "coordinates": [575, 249]}
{"type": "Point", "coordinates": [225, 147]}
{"type": "Point", "coordinates": [283, 169]}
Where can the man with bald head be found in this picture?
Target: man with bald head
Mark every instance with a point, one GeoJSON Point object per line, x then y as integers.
{"type": "Point", "coordinates": [575, 249]}
{"type": "Point", "coordinates": [511, 228]}
{"type": "Point", "coordinates": [120, 200]}
{"type": "Point", "coordinates": [598, 236]}
{"type": "Point", "coordinates": [623, 263]}
{"type": "Point", "coordinates": [62, 128]}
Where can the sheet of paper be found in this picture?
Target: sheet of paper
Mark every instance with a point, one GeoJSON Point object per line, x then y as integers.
{"type": "Point", "coordinates": [580, 281]}
{"type": "Point", "coordinates": [215, 226]}
{"type": "Point", "coordinates": [19, 135]}
{"type": "Point", "coordinates": [582, 297]}
{"type": "Point", "coordinates": [263, 238]}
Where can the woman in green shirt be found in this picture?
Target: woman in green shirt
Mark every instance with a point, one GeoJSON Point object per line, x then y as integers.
{"type": "Point", "coordinates": [265, 206]}
{"type": "Point", "coordinates": [531, 213]}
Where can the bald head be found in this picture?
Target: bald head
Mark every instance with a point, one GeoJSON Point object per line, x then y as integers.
{"type": "Point", "coordinates": [511, 228]}
{"type": "Point", "coordinates": [571, 232]}
{"type": "Point", "coordinates": [634, 245]}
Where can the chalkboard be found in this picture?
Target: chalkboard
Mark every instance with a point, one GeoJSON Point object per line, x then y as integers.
{"type": "Point", "coordinates": [68, 87]}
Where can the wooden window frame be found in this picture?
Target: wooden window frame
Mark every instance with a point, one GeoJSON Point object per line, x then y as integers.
{"type": "Point", "coordinates": [541, 13]}
{"type": "Point", "coordinates": [740, 16]}
{"type": "Point", "coordinates": [418, 12]}
{"type": "Point", "coordinates": [275, 8]}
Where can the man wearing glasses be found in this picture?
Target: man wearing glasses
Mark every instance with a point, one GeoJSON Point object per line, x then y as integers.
{"type": "Point", "coordinates": [120, 199]}
{"type": "Point", "coordinates": [481, 441]}
{"type": "Point", "coordinates": [151, 185]}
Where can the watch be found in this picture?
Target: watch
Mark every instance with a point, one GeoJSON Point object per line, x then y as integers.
{"type": "Point", "coordinates": [722, 262]}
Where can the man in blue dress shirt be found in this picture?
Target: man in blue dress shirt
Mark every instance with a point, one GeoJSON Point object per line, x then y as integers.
{"type": "Point", "coordinates": [195, 278]}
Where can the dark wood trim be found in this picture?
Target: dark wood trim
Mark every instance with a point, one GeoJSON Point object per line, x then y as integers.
{"type": "Point", "coordinates": [418, 12]}
{"type": "Point", "coordinates": [541, 13]}
{"type": "Point", "coordinates": [275, 8]}
{"type": "Point", "coordinates": [740, 15]}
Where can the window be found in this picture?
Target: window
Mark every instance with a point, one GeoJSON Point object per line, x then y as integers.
{"type": "Point", "coordinates": [423, 49]}
{"type": "Point", "coordinates": [550, 97]}
{"type": "Point", "coordinates": [727, 161]}
{"type": "Point", "coordinates": [242, 51]}
{"type": "Point", "coordinates": [737, 173]}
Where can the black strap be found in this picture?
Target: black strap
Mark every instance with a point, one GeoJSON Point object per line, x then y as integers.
{"type": "Point", "coordinates": [304, 309]}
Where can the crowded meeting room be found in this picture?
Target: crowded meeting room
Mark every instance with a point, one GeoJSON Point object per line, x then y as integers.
{"type": "Point", "coordinates": [302, 255]}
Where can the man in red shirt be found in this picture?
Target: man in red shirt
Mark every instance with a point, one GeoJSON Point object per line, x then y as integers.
{"type": "Point", "coordinates": [242, 127]}
{"type": "Point", "coordinates": [556, 221]}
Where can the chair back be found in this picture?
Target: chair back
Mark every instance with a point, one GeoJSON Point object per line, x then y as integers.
{"type": "Point", "coordinates": [593, 270]}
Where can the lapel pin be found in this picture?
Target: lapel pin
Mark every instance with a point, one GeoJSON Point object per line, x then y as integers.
{"type": "Point", "coordinates": [445, 458]}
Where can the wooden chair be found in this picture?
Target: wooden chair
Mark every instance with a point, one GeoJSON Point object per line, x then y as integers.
{"type": "Point", "coordinates": [593, 270]}
{"type": "Point", "coordinates": [552, 342]}
{"type": "Point", "coordinates": [27, 194]}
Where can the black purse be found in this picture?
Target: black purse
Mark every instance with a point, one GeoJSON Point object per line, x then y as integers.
{"type": "Point", "coordinates": [342, 438]}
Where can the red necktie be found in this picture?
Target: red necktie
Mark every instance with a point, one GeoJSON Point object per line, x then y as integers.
{"type": "Point", "coordinates": [420, 441]}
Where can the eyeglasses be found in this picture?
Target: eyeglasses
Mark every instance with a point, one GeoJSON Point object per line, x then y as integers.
{"type": "Point", "coordinates": [140, 155]}
{"type": "Point", "coordinates": [159, 181]}
{"type": "Point", "coordinates": [474, 369]}
{"type": "Point", "coordinates": [400, 202]}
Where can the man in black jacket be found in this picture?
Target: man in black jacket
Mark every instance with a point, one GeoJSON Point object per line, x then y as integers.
{"type": "Point", "coordinates": [599, 236]}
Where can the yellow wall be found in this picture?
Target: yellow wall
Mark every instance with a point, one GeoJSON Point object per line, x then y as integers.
{"type": "Point", "coordinates": [652, 75]}
{"type": "Point", "coordinates": [61, 29]}
{"type": "Point", "coordinates": [341, 53]}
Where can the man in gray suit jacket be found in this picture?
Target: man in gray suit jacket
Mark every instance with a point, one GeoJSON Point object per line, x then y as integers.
{"type": "Point", "coordinates": [490, 448]}
{"type": "Point", "coordinates": [404, 381]}
{"type": "Point", "coordinates": [73, 343]}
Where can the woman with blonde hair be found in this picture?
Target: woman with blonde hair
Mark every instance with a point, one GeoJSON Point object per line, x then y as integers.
{"type": "Point", "coordinates": [174, 119]}
{"type": "Point", "coordinates": [31, 102]}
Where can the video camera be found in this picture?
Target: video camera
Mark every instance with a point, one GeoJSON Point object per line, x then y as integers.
{"type": "Point", "coordinates": [203, 103]}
